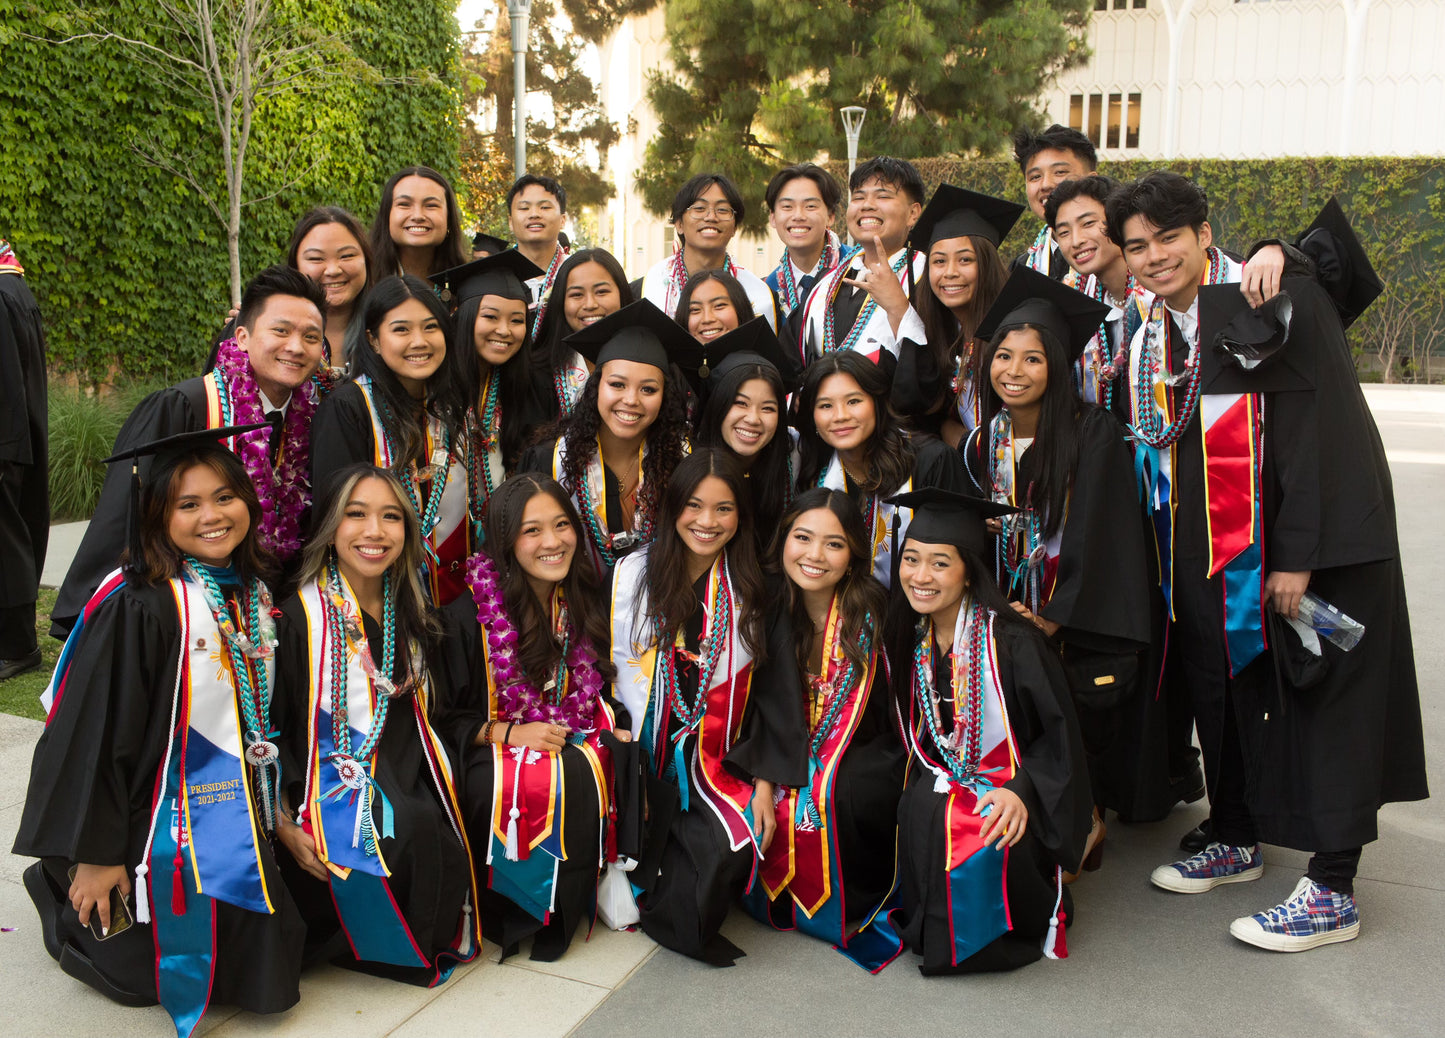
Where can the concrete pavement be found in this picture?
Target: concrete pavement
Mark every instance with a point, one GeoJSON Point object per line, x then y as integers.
{"type": "Point", "coordinates": [1142, 962]}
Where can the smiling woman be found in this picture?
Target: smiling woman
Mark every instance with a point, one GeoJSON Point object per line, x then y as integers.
{"type": "Point", "coordinates": [417, 229]}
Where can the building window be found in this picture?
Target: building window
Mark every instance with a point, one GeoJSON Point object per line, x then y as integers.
{"type": "Point", "coordinates": [1124, 5]}
{"type": "Point", "coordinates": [1109, 120]}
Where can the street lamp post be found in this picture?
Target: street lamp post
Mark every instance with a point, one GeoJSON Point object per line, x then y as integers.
{"type": "Point", "coordinates": [519, 9]}
{"type": "Point", "coordinates": [852, 128]}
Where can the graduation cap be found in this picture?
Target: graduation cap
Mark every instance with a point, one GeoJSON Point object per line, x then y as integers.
{"type": "Point", "coordinates": [502, 274]}
{"type": "Point", "coordinates": [946, 517]}
{"type": "Point", "coordinates": [752, 343]}
{"type": "Point", "coordinates": [163, 451]}
{"type": "Point", "coordinates": [1344, 269]}
{"type": "Point", "coordinates": [1243, 350]}
{"type": "Point", "coordinates": [488, 243]}
{"type": "Point", "coordinates": [1029, 297]}
{"type": "Point", "coordinates": [641, 333]}
{"type": "Point", "coordinates": [953, 212]}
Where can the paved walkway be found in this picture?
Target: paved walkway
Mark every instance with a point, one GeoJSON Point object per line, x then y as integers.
{"type": "Point", "coordinates": [1142, 962]}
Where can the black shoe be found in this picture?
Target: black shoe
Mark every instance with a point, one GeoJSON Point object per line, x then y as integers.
{"type": "Point", "coordinates": [1189, 787]}
{"type": "Point", "coordinates": [47, 904]}
{"type": "Point", "coordinates": [19, 665]}
{"type": "Point", "coordinates": [1196, 839]}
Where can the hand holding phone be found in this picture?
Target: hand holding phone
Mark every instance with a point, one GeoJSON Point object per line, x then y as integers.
{"type": "Point", "coordinates": [98, 894]}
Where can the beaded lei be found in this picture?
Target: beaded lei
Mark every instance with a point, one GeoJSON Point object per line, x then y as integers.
{"type": "Point", "coordinates": [544, 291]}
{"type": "Point", "coordinates": [484, 434]}
{"type": "Point", "coordinates": [253, 688]}
{"type": "Point", "coordinates": [677, 278]}
{"type": "Point", "coordinates": [962, 749]}
{"type": "Point", "coordinates": [1119, 361]}
{"type": "Point", "coordinates": [789, 284]}
{"type": "Point", "coordinates": [827, 698]}
{"type": "Point", "coordinates": [1149, 424]}
{"type": "Point", "coordinates": [1021, 548]}
{"type": "Point", "coordinates": [830, 330]}
{"type": "Point", "coordinates": [611, 545]}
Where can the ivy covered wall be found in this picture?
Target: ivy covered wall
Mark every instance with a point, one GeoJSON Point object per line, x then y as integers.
{"type": "Point", "coordinates": [128, 264]}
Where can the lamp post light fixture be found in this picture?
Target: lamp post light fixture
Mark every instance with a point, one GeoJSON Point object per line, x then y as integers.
{"type": "Point", "coordinates": [518, 10]}
{"type": "Point", "coordinates": [852, 128]}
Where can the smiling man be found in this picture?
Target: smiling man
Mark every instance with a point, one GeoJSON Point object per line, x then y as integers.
{"type": "Point", "coordinates": [802, 201]}
{"type": "Point", "coordinates": [263, 375]}
{"type": "Point", "coordinates": [537, 209]}
{"type": "Point", "coordinates": [1047, 159]}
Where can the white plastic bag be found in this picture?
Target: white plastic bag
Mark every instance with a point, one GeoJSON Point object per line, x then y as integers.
{"type": "Point", "coordinates": [616, 906]}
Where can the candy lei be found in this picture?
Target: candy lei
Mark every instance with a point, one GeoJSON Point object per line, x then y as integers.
{"type": "Point", "coordinates": [677, 278]}
{"type": "Point", "coordinates": [719, 632]}
{"type": "Point", "coordinates": [284, 491]}
{"type": "Point", "coordinates": [593, 495]}
{"type": "Point", "coordinates": [570, 697]}
{"type": "Point", "coordinates": [830, 330]}
{"type": "Point", "coordinates": [484, 438]}
{"type": "Point", "coordinates": [963, 760]}
{"type": "Point", "coordinates": [1149, 424]}
{"type": "Point", "coordinates": [252, 687]}
{"type": "Point", "coordinates": [544, 293]}
{"type": "Point", "coordinates": [1021, 547]}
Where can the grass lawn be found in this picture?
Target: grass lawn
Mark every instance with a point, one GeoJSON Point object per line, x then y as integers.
{"type": "Point", "coordinates": [21, 694]}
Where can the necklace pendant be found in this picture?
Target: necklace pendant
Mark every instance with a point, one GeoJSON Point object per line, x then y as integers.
{"type": "Point", "coordinates": [703, 370]}
{"type": "Point", "coordinates": [350, 772]}
{"type": "Point", "coordinates": [624, 540]}
{"type": "Point", "coordinates": [262, 752]}
{"type": "Point", "coordinates": [384, 685]}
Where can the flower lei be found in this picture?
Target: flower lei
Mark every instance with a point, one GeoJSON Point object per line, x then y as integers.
{"type": "Point", "coordinates": [570, 697]}
{"type": "Point", "coordinates": [284, 491]}
{"type": "Point", "coordinates": [962, 760]}
{"type": "Point", "coordinates": [253, 689]}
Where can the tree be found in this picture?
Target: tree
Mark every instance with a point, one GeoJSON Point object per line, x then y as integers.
{"type": "Point", "coordinates": [758, 83]}
{"type": "Point", "coordinates": [230, 58]}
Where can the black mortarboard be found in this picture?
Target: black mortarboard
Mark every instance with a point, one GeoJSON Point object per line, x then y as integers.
{"type": "Point", "coordinates": [488, 243]}
{"type": "Point", "coordinates": [1029, 297]}
{"type": "Point", "coordinates": [162, 450]}
{"type": "Point", "coordinates": [953, 212]}
{"type": "Point", "coordinates": [1344, 269]}
{"type": "Point", "coordinates": [638, 332]}
{"type": "Point", "coordinates": [1230, 331]}
{"type": "Point", "coordinates": [946, 517]}
{"type": "Point", "coordinates": [752, 343]}
{"type": "Point", "coordinates": [502, 274]}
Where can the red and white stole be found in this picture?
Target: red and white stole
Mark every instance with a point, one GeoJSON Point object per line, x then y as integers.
{"type": "Point", "coordinates": [878, 516]}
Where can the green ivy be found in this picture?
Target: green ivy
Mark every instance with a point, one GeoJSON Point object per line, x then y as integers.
{"type": "Point", "coordinates": [128, 264]}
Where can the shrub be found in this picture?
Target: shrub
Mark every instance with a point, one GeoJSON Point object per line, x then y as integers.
{"type": "Point", "coordinates": [83, 428]}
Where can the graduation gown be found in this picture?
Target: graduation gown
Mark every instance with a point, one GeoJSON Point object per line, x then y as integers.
{"type": "Point", "coordinates": [431, 871]}
{"type": "Point", "coordinates": [93, 782]}
{"type": "Point", "coordinates": [543, 458]}
{"type": "Point", "coordinates": [1095, 585]}
{"type": "Point", "coordinates": [24, 447]}
{"type": "Point", "coordinates": [1319, 763]}
{"type": "Point", "coordinates": [465, 705]}
{"type": "Point", "coordinates": [699, 858]}
{"type": "Point", "coordinates": [1051, 779]}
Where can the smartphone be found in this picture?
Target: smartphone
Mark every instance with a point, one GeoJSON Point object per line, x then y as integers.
{"type": "Point", "coordinates": [120, 914]}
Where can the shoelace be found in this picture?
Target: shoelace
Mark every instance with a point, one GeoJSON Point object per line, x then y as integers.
{"type": "Point", "coordinates": [1294, 906]}
{"type": "Point", "coordinates": [1210, 854]}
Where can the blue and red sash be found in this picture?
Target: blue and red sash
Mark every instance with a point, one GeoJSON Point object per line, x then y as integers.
{"type": "Point", "coordinates": [55, 688]}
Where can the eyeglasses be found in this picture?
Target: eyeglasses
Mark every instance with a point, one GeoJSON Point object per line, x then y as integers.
{"type": "Point", "coordinates": [721, 210]}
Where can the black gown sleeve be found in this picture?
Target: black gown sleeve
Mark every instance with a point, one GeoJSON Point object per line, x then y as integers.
{"type": "Point", "coordinates": [919, 384]}
{"type": "Point", "coordinates": [291, 701]}
{"type": "Point", "coordinates": [538, 458]}
{"type": "Point", "coordinates": [165, 412]}
{"type": "Point", "coordinates": [463, 701]}
{"type": "Point", "coordinates": [773, 742]}
{"type": "Point", "coordinates": [341, 435]}
{"type": "Point", "coordinates": [93, 773]}
{"type": "Point", "coordinates": [937, 464]}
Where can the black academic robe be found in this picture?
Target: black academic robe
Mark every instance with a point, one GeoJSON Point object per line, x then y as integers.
{"type": "Point", "coordinates": [341, 436]}
{"type": "Point", "coordinates": [24, 448]}
{"type": "Point", "coordinates": [1058, 266]}
{"type": "Point", "coordinates": [1052, 781]}
{"type": "Point", "coordinates": [689, 873]}
{"type": "Point", "coordinates": [1319, 763]}
{"type": "Point", "coordinates": [464, 705]}
{"type": "Point", "coordinates": [92, 785]}
{"type": "Point", "coordinates": [847, 305]}
{"type": "Point", "coordinates": [431, 870]}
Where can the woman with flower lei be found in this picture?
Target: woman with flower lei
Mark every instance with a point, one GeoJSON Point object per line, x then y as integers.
{"type": "Point", "coordinates": [404, 410]}
{"type": "Point", "coordinates": [997, 799]}
{"type": "Point", "coordinates": [831, 865]}
{"type": "Point", "coordinates": [715, 699]}
{"type": "Point", "coordinates": [527, 710]}
{"type": "Point", "coordinates": [368, 776]}
{"type": "Point", "coordinates": [159, 761]}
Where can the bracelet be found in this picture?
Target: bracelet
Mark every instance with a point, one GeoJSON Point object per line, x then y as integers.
{"type": "Point", "coordinates": [507, 735]}
{"type": "Point", "coordinates": [487, 731]}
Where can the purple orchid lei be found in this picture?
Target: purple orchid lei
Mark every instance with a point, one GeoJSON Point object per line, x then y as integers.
{"type": "Point", "coordinates": [518, 698]}
{"type": "Point", "coordinates": [284, 491]}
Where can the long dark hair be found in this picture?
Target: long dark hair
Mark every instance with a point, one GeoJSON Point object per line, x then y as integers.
{"type": "Point", "coordinates": [769, 477]}
{"type": "Point", "coordinates": [666, 438]}
{"type": "Point", "coordinates": [947, 334]}
{"type": "Point", "coordinates": [386, 256]}
{"type": "Point", "coordinates": [537, 646]}
{"type": "Point", "coordinates": [160, 558]}
{"type": "Point", "coordinates": [324, 214]}
{"type": "Point", "coordinates": [890, 455]}
{"type": "Point", "coordinates": [402, 416]}
{"type": "Point", "coordinates": [549, 353]}
{"type": "Point", "coordinates": [862, 599]}
{"type": "Point", "coordinates": [1056, 440]}
{"type": "Point", "coordinates": [739, 296]}
{"type": "Point", "coordinates": [670, 595]}
{"type": "Point", "coordinates": [516, 393]}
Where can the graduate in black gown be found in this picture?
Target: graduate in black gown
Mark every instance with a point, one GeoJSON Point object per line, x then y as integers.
{"type": "Point", "coordinates": [589, 285]}
{"type": "Point", "coordinates": [264, 375]}
{"type": "Point", "coordinates": [159, 732]}
{"type": "Point", "coordinates": [528, 711]}
{"type": "Point", "coordinates": [367, 775]}
{"type": "Point", "coordinates": [711, 684]}
{"type": "Point", "coordinates": [24, 475]}
{"type": "Point", "coordinates": [1072, 559]}
{"type": "Point", "coordinates": [1276, 484]}
{"type": "Point", "coordinates": [831, 862]}
{"type": "Point", "coordinates": [849, 439]}
{"type": "Point", "coordinates": [615, 451]}
{"type": "Point", "coordinates": [997, 801]}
